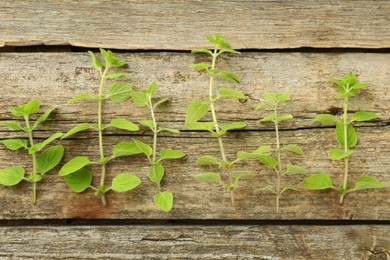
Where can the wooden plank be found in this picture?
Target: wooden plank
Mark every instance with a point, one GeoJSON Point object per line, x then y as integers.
{"type": "Point", "coordinates": [174, 25]}
{"type": "Point", "coordinates": [56, 77]}
{"type": "Point", "coordinates": [196, 242]}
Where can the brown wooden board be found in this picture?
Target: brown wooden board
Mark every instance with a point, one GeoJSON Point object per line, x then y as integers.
{"type": "Point", "coordinates": [56, 77]}
{"type": "Point", "coordinates": [175, 25]}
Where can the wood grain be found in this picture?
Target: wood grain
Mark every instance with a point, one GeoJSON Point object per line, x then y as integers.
{"type": "Point", "coordinates": [173, 25]}
{"type": "Point", "coordinates": [195, 242]}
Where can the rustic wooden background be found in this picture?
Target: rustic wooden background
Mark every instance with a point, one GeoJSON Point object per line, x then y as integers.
{"type": "Point", "coordinates": [291, 46]}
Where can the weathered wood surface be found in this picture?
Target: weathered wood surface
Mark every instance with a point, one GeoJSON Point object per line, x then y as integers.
{"type": "Point", "coordinates": [176, 25]}
{"type": "Point", "coordinates": [195, 242]}
{"type": "Point", "coordinates": [56, 77]}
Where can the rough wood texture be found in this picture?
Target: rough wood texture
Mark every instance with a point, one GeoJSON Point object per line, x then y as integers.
{"type": "Point", "coordinates": [55, 78]}
{"type": "Point", "coordinates": [176, 25]}
{"type": "Point", "coordinates": [195, 242]}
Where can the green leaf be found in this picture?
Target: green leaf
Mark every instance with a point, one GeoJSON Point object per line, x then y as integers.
{"type": "Point", "coordinates": [360, 85]}
{"type": "Point", "coordinates": [147, 123]}
{"type": "Point", "coordinates": [243, 175]}
{"type": "Point", "coordinates": [125, 182]}
{"type": "Point", "coordinates": [124, 124]}
{"type": "Point", "coordinates": [119, 92]}
{"type": "Point", "coordinates": [74, 165]}
{"type": "Point", "coordinates": [267, 188]}
{"type": "Point", "coordinates": [231, 93]}
{"type": "Point", "coordinates": [144, 148]}
{"type": "Point", "coordinates": [196, 110]}
{"type": "Point", "coordinates": [50, 158]}
{"type": "Point", "coordinates": [79, 180]}
{"type": "Point", "coordinates": [76, 129]}
{"type": "Point", "coordinates": [229, 51]}
{"type": "Point", "coordinates": [232, 126]}
{"type": "Point", "coordinates": [111, 59]}
{"type": "Point", "coordinates": [11, 176]}
{"type": "Point", "coordinates": [162, 101]}
{"type": "Point", "coordinates": [196, 51]}
{"type": "Point", "coordinates": [271, 96]}
{"type": "Point", "coordinates": [156, 172]}
{"type": "Point", "coordinates": [171, 154]}
{"type": "Point", "coordinates": [319, 181]}
{"type": "Point", "coordinates": [201, 66]}
{"type": "Point", "coordinates": [288, 187]}
{"type": "Point", "coordinates": [363, 116]}
{"type": "Point", "coordinates": [208, 126]}
{"type": "Point", "coordinates": [152, 89]}
{"type": "Point", "coordinates": [15, 144]}
{"type": "Point", "coordinates": [207, 160]}
{"type": "Point", "coordinates": [210, 176]}
{"type": "Point", "coordinates": [367, 182]}
{"type": "Point", "coordinates": [268, 160]}
{"type": "Point", "coordinates": [172, 130]}
{"type": "Point", "coordinates": [242, 155]}
{"type": "Point", "coordinates": [293, 148]}
{"type": "Point", "coordinates": [140, 98]}
{"type": "Point", "coordinates": [32, 107]}
{"type": "Point", "coordinates": [34, 177]}
{"type": "Point", "coordinates": [50, 139]}
{"type": "Point", "coordinates": [229, 76]}
{"type": "Point", "coordinates": [126, 149]}
{"type": "Point", "coordinates": [284, 117]}
{"type": "Point", "coordinates": [336, 154]}
{"type": "Point", "coordinates": [268, 118]}
{"type": "Point", "coordinates": [17, 111]}
{"type": "Point", "coordinates": [295, 169]}
{"type": "Point", "coordinates": [263, 149]}
{"type": "Point", "coordinates": [283, 97]}
{"type": "Point", "coordinates": [164, 200]}
{"type": "Point", "coordinates": [12, 125]}
{"type": "Point", "coordinates": [81, 97]}
{"type": "Point", "coordinates": [351, 135]}
{"type": "Point", "coordinates": [326, 119]}
{"type": "Point", "coordinates": [96, 63]}
{"type": "Point", "coordinates": [44, 117]}
{"type": "Point", "coordinates": [116, 75]}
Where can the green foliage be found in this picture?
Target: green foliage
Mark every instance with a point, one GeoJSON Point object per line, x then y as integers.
{"type": "Point", "coordinates": [74, 172]}
{"type": "Point", "coordinates": [274, 160]}
{"type": "Point", "coordinates": [164, 200]}
{"type": "Point", "coordinates": [41, 162]}
{"type": "Point", "coordinates": [346, 137]}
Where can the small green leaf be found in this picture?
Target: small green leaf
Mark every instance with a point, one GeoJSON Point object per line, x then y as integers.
{"type": "Point", "coordinates": [34, 177]}
{"type": "Point", "coordinates": [360, 85]}
{"type": "Point", "coordinates": [102, 189]}
{"type": "Point", "coordinates": [326, 119]}
{"type": "Point", "coordinates": [267, 188]}
{"type": "Point", "coordinates": [81, 97]}
{"type": "Point", "coordinates": [124, 124]}
{"type": "Point", "coordinates": [171, 154]}
{"type": "Point", "coordinates": [147, 123]}
{"type": "Point", "coordinates": [32, 107]}
{"type": "Point", "coordinates": [196, 110]}
{"type": "Point", "coordinates": [363, 116]}
{"type": "Point", "coordinates": [11, 176]}
{"type": "Point", "coordinates": [210, 176]}
{"type": "Point", "coordinates": [12, 125]}
{"type": "Point", "coordinates": [144, 148]}
{"type": "Point", "coordinates": [74, 165]}
{"type": "Point", "coordinates": [119, 92]}
{"type": "Point", "coordinates": [207, 160]}
{"type": "Point", "coordinates": [351, 135]}
{"type": "Point", "coordinates": [156, 172]}
{"type": "Point", "coordinates": [268, 118]}
{"type": "Point", "coordinates": [140, 98]}
{"type": "Point", "coordinates": [125, 182]}
{"type": "Point", "coordinates": [160, 102]}
{"type": "Point", "coordinates": [242, 155]}
{"type": "Point", "coordinates": [201, 66]}
{"type": "Point", "coordinates": [229, 76]}
{"type": "Point", "coordinates": [268, 160]}
{"type": "Point", "coordinates": [79, 180]}
{"type": "Point", "coordinates": [164, 200]}
{"type": "Point", "coordinates": [271, 96]}
{"type": "Point", "coordinates": [284, 117]}
{"type": "Point", "coordinates": [196, 51]}
{"type": "Point", "coordinates": [17, 111]}
{"type": "Point", "coordinates": [171, 130]}
{"type": "Point", "coordinates": [336, 154]}
{"type": "Point", "coordinates": [50, 139]}
{"type": "Point", "coordinates": [111, 59]}
{"type": "Point", "coordinates": [283, 97]}
{"type": "Point", "coordinates": [116, 75]}
{"type": "Point", "coordinates": [319, 181]}
{"type": "Point", "coordinates": [50, 158]}
{"type": "Point", "coordinates": [229, 51]}
{"type": "Point", "coordinates": [367, 182]}
{"type": "Point", "coordinates": [96, 63]}
{"type": "Point", "coordinates": [295, 169]}
{"type": "Point", "coordinates": [263, 149]}
{"type": "Point", "coordinates": [15, 144]}
{"type": "Point", "coordinates": [126, 149]}
{"type": "Point", "coordinates": [288, 187]}
{"type": "Point", "coordinates": [293, 148]}
{"type": "Point", "coordinates": [233, 126]}
{"type": "Point", "coordinates": [231, 93]}
{"type": "Point", "coordinates": [207, 126]}
{"type": "Point", "coordinates": [152, 89]}
{"type": "Point", "coordinates": [243, 175]}
{"type": "Point", "coordinates": [76, 129]}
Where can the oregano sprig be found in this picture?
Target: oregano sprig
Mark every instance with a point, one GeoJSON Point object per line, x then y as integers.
{"type": "Point", "coordinates": [76, 175]}
{"type": "Point", "coordinates": [199, 108]}
{"type": "Point", "coordinates": [273, 100]}
{"type": "Point", "coordinates": [163, 199]}
{"type": "Point", "coordinates": [42, 162]}
{"type": "Point", "coordinates": [347, 139]}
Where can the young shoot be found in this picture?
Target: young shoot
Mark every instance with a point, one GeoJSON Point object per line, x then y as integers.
{"type": "Point", "coordinates": [199, 108]}
{"type": "Point", "coordinates": [347, 139]}
{"type": "Point", "coordinates": [76, 175]}
{"type": "Point", "coordinates": [275, 160]}
{"type": "Point", "coordinates": [43, 160]}
{"type": "Point", "coordinates": [163, 199]}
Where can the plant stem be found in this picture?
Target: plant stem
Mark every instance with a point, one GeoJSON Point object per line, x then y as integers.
{"type": "Point", "coordinates": [212, 108]}
{"type": "Point", "coordinates": [101, 149]}
{"type": "Point", "coordinates": [345, 125]}
{"type": "Point", "coordinates": [279, 170]}
{"type": "Point", "coordinates": [154, 129]}
{"type": "Point", "coordinates": [34, 159]}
